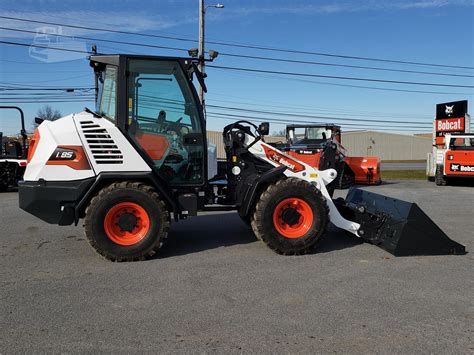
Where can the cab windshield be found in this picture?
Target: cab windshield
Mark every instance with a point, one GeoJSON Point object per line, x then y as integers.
{"type": "Point", "coordinates": [462, 143]}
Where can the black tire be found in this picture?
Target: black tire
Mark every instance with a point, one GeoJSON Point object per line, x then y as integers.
{"type": "Point", "coordinates": [345, 179]}
{"type": "Point", "coordinates": [3, 187]}
{"type": "Point", "coordinates": [143, 195]}
{"type": "Point", "coordinates": [439, 177]}
{"type": "Point", "coordinates": [263, 224]}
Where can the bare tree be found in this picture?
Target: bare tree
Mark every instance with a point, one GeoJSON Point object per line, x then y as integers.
{"type": "Point", "coordinates": [279, 133]}
{"type": "Point", "coordinates": [47, 113]}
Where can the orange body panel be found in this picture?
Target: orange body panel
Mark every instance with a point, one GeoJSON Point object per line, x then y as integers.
{"type": "Point", "coordinates": [310, 159]}
{"type": "Point", "coordinates": [32, 145]}
{"type": "Point", "coordinates": [280, 159]}
{"type": "Point", "coordinates": [460, 164]}
{"type": "Point", "coordinates": [366, 169]}
{"type": "Point", "coordinates": [155, 145]}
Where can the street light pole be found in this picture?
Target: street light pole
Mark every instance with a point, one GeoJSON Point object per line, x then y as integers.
{"type": "Point", "coordinates": [201, 50]}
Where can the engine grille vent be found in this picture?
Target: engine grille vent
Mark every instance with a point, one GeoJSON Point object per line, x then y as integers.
{"type": "Point", "coordinates": [103, 148]}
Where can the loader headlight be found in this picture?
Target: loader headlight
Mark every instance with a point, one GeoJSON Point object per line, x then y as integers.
{"type": "Point", "coordinates": [236, 170]}
{"type": "Point", "coordinates": [450, 157]}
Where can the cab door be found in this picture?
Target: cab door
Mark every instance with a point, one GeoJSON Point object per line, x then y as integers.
{"type": "Point", "coordinates": [164, 120]}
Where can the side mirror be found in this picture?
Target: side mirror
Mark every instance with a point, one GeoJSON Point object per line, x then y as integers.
{"type": "Point", "coordinates": [38, 120]}
{"type": "Point", "coordinates": [264, 128]}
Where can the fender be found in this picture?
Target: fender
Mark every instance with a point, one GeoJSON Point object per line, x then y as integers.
{"type": "Point", "coordinates": [102, 180]}
{"type": "Point", "coordinates": [251, 192]}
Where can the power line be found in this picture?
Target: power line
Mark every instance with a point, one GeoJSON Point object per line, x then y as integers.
{"type": "Point", "coordinates": [278, 72]}
{"type": "Point", "coordinates": [44, 101]}
{"type": "Point", "coordinates": [283, 60]}
{"type": "Point", "coordinates": [312, 109]}
{"type": "Point", "coordinates": [248, 46]}
{"type": "Point", "coordinates": [352, 86]}
{"type": "Point", "coordinates": [55, 80]}
{"type": "Point", "coordinates": [45, 47]}
{"type": "Point", "coordinates": [160, 102]}
{"type": "Point", "coordinates": [44, 89]}
{"type": "Point", "coordinates": [338, 77]}
{"type": "Point", "coordinates": [281, 121]}
{"type": "Point", "coordinates": [311, 116]}
{"type": "Point", "coordinates": [100, 40]}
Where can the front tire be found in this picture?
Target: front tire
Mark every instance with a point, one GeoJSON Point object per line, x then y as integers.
{"type": "Point", "coordinates": [291, 217]}
{"type": "Point", "coordinates": [127, 221]}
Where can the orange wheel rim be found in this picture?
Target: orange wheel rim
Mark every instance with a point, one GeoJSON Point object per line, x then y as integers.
{"type": "Point", "coordinates": [126, 223]}
{"type": "Point", "coordinates": [293, 218]}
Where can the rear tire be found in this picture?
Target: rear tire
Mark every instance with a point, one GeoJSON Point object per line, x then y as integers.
{"type": "Point", "coordinates": [439, 177]}
{"type": "Point", "coordinates": [135, 207]}
{"type": "Point", "coordinates": [308, 224]}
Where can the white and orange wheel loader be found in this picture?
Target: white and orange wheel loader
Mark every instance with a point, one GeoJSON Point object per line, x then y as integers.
{"type": "Point", "coordinates": [142, 156]}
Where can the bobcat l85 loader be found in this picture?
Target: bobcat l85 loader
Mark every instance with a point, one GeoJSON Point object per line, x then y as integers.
{"type": "Point", "coordinates": [142, 157]}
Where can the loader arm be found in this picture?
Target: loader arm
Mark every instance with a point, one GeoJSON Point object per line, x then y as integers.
{"type": "Point", "coordinates": [255, 145]}
{"type": "Point", "coordinates": [396, 226]}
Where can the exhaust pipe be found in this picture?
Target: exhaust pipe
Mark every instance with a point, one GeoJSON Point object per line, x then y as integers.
{"type": "Point", "coordinates": [397, 226]}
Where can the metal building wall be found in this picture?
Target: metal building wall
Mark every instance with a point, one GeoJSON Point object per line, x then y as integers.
{"type": "Point", "coordinates": [387, 146]}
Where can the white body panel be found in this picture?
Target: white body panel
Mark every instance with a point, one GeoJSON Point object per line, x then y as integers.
{"type": "Point", "coordinates": [131, 161]}
{"type": "Point", "coordinates": [52, 135]}
{"type": "Point", "coordinates": [69, 131]}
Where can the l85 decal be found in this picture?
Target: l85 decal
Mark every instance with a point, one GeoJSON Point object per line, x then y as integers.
{"type": "Point", "coordinates": [63, 154]}
{"type": "Point", "coordinates": [71, 156]}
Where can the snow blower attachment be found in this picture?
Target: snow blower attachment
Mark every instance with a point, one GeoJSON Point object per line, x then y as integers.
{"type": "Point", "coordinates": [397, 226]}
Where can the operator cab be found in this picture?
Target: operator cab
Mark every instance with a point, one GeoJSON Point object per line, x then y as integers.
{"type": "Point", "coordinates": [156, 107]}
{"type": "Point", "coordinates": [312, 135]}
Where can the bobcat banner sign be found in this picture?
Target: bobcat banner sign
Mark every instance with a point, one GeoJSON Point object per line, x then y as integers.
{"type": "Point", "coordinates": [455, 109]}
{"type": "Point", "coordinates": [450, 117]}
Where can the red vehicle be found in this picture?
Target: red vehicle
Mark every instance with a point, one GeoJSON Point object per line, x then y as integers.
{"type": "Point", "coordinates": [457, 160]}
{"type": "Point", "coordinates": [307, 142]}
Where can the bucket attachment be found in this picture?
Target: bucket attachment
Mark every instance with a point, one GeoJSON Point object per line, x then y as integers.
{"type": "Point", "coordinates": [399, 227]}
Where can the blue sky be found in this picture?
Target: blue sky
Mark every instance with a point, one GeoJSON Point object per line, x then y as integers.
{"type": "Point", "coordinates": [429, 31]}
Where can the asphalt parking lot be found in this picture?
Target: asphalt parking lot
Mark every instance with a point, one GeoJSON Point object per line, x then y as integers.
{"type": "Point", "coordinates": [214, 288]}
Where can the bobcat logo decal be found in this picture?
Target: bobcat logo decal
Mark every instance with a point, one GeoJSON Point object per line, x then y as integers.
{"type": "Point", "coordinates": [449, 110]}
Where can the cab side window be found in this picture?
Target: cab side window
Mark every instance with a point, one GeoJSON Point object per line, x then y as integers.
{"type": "Point", "coordinates": [163, 119]}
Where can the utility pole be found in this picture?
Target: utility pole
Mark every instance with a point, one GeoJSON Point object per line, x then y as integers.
{"type": "Point", "coordinates": [202, 13]}
{"type": "Point", "coordinates": [201, 50]}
